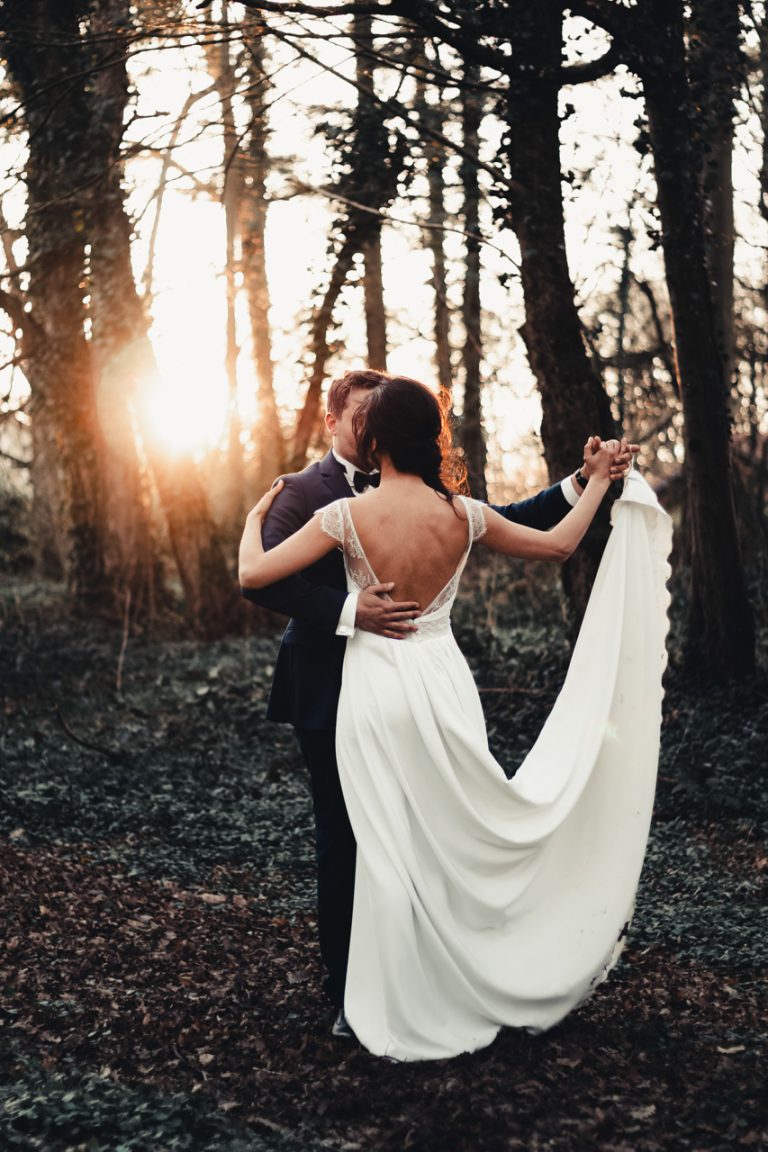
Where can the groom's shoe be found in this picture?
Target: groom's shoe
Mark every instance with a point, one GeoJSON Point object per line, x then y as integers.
{"type": "Point", "coordinates": [341, 1026]}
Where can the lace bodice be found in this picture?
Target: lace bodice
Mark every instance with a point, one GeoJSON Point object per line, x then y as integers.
{"type": "Point", "coordinates": [336, 521]}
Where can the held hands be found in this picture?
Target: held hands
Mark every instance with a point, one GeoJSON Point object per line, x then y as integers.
{"type": "Point", "coordinates": [608, 459]}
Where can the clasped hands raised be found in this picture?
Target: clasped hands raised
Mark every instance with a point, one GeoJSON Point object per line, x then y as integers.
{"type": "Point", "coordinates": [607, 458]}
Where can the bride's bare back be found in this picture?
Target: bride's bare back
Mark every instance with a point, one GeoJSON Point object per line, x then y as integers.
{"type": "Point", "coordinates": [411, 535]}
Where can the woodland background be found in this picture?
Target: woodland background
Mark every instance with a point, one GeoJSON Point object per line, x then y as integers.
{"type": "Point", "coordinates": [557, 215]}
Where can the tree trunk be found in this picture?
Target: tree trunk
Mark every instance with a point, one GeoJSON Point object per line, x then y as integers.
{"type": "Point", "coordinates": [49, 524]}
{"type": "Point", "coordinates": [716, 67]}
{"type": "Point", "coordinates": [721, 630]}
{"type": "Point", "coordinates": [320, 352]}
{"type": "Point", "coordinates": [268, 433]}
{"type": "Point", "coordinates": [621, 382]}
{"type": "Point", "coordinates": [373, 280]}
{"type": "Point", "coordinates": [472, 433]}
{"type": "Point", "coordinates": [48, 509]}
{"type": "Point", "coordinates": [211, 601]}
{"type": "Point", "coordinates": [223, 74]}
{"type": "Point", "coordinates": [431, 116]}
{"type": "Point", "coordinates": [120, 360]}
{"type": "Point", "coordinates": [373, 293]}
{"type": "Point", "coordinates": [573, 400]}
{"type": "Point", "coordinates": [40, 64]}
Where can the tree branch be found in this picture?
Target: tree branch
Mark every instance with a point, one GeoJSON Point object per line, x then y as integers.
{"type": "Point", "coordinates": [592, 69]}
{"type": "Point", "coordinates": [15, 459]}
{"type": "Point", "coordinates": [14, 307]}
{"type": "Point", "coordinates": [604, 14]}
{"type": "Point", "coordinates": [392, 107]}
{"type": "Point", "coordinates": [296, 8]}
{"type": "Point", "coordinates": [387, 218]}
{"type": "Point", "coordinates": [464, 40]}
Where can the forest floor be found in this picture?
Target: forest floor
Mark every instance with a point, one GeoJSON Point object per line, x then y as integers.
{"type": "Point", "coordinates": [159, 972]}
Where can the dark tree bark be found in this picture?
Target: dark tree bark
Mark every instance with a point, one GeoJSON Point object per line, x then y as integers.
{"type": "Point", "coordinates": [573, 400]}
{"type": "Point", "coordinates": [721, 629]}
{"type": "Point", "coordinates": [49, 514]}
{"type": "Point", "coordinates": [221, 67]}
{"type": "Point", "coordinates": [320, 352]}
{"type": "Point", "coordinates": [716, 70]}
{"type": "Point", "coordinates": [48, 529]}
{"type": "Point", "coordinates": [370, 135]}
{"type": "Point", "coordinates": [471, 427]}
{"type": "Point", "coordinates": [120, 359]}
{"type": "Point", "coordinates": [268, 433]}
{"type": "Point", "coordinates": [623, 302]}
{"type": "Point", "coordinates": [373, 300]}
{"type": "Point", "coordinates": [432, 119]}
{"type": "Point", "coordinates": [39, 58]}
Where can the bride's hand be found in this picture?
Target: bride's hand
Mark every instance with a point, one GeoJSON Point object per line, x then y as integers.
{"type": "Point", "coordinates": [622, 460]}
{"type": "Point", "coordinates": [259, 511]}
{"type": "Point", "coordinates": [600, 457]}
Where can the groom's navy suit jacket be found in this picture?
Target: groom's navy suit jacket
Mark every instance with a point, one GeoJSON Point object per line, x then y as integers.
{"type": "Point", "coordinates": [307, 678]}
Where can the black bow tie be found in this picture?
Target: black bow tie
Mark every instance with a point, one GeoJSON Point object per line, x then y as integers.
{"type": "Point", "coordinates": [362, 480]}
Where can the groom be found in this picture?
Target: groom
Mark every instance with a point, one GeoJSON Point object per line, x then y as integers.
{"type": "Point", "coordinates": [307, 677]}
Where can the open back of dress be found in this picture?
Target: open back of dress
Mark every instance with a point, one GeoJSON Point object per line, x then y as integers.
{"type": "Point", "coordinates": [482, 901]}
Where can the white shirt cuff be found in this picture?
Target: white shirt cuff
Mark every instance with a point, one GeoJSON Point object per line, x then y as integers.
{"type": "Point", "coordinates": [568, 491]}
{"type": "Point", "coordinates": [346, 624]}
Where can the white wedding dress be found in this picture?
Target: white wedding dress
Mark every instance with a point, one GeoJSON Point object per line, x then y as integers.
{"type": "Point", "coordinates": [482, 901]}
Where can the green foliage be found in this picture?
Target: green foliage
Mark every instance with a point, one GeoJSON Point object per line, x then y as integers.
{"type": "Point", "coordinates": [51, 1110]}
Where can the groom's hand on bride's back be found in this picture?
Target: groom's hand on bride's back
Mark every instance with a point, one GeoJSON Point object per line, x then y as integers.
{"type": "Point", "coordinates": [392, 618]}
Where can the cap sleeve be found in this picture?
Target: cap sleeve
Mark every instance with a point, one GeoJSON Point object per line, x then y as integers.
{"type": "Point", "coordinates": [332, 520]}
{"type": "Point", "coordinates": [476, 516]}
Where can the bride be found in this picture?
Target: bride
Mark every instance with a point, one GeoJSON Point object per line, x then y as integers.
{"type": "Point", "coordinates": [481, 901]}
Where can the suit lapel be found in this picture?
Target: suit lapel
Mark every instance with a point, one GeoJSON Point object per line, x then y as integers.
{"type": "Point", "coordinates": [334, 477]}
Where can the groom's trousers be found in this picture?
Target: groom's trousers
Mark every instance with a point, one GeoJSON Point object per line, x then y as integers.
{"type": "Point", "coordinates": [336, 848]}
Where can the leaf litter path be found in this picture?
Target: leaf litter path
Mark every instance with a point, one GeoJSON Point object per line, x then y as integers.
{"type": "Point", "coordinates": [159, 979]}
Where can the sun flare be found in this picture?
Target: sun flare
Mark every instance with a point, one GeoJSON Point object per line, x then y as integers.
{"type": "Point", "coordinates": [182, 416]}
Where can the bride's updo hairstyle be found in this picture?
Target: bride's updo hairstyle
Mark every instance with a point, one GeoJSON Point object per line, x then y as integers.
{"type": "Point", "coordinates": [403, 419]}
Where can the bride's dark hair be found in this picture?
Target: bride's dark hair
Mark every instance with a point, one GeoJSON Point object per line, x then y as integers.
{"type": "Point", "coordinates": [404, 420]}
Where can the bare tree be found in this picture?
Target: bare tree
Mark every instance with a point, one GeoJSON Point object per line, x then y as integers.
{"type": "Point", "coordinates": [36, 46]}
{"type": "Point", "coordinates": [268, 433]}
{"type": "Point", "coordinates": [221, 65]}
{"type": "Point", "coordinates": [472, 434]}
{"type": "Point", "coordinates": [716, 68]}
{"type": "Point", "coordinates": [652, 39]}
{"type": "Point", "coordinates": [431, 117]}
{"type": "Point", "coordinates": [369, 129]}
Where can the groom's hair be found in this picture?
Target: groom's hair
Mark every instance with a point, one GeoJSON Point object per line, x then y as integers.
{"type": "Point", "coordinates": [339, 391]}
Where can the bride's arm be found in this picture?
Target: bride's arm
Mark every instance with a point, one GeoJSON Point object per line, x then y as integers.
{"type": "Point", "coordinates": [257, 568]}
{"type": "Point", "coordinates": [559, 542]}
